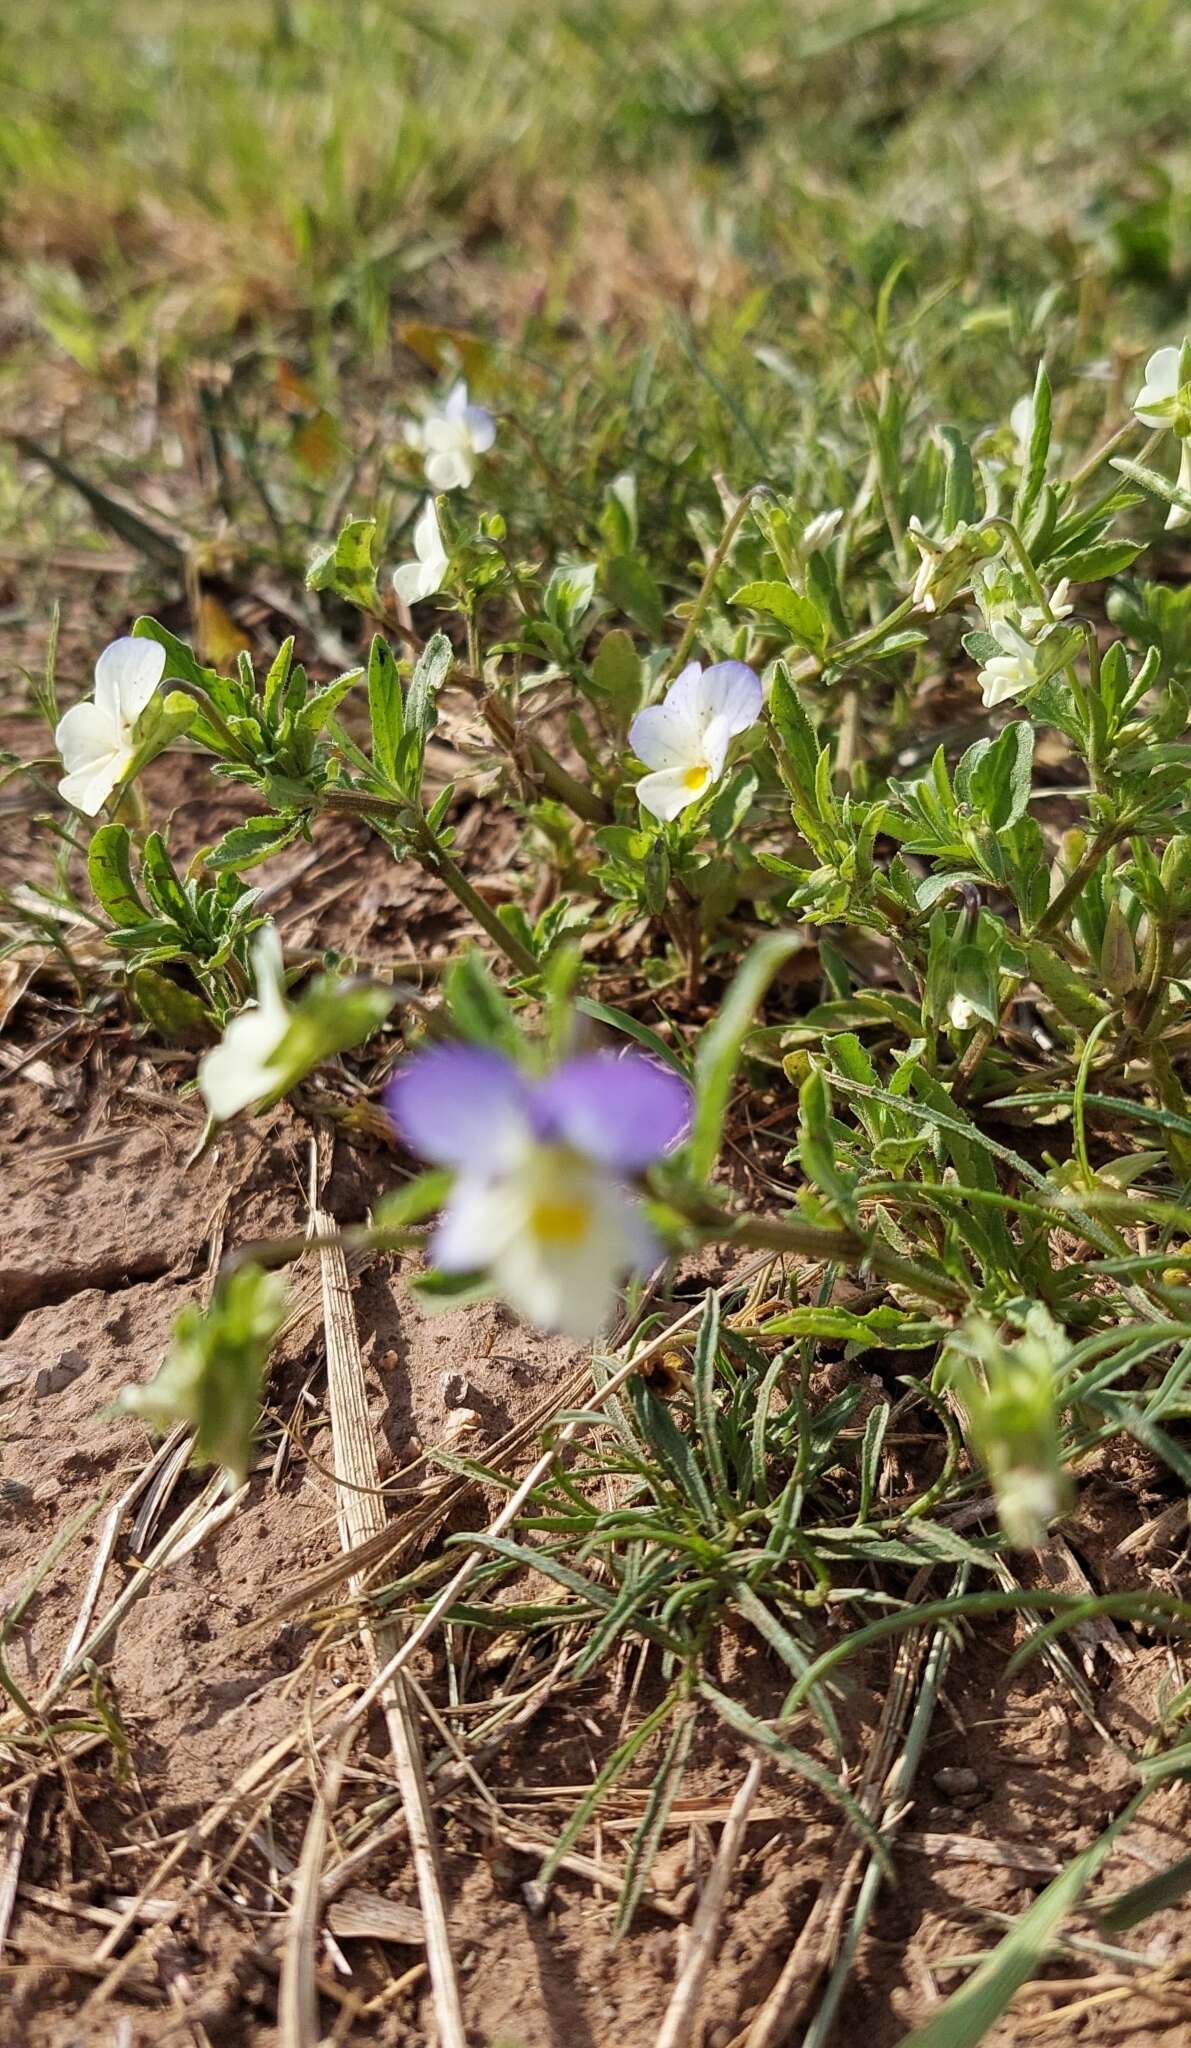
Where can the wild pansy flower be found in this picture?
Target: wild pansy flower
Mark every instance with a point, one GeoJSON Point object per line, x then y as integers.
{"type": "Point", "coordinates": [450, 437]}
{"type": "Point", "coordinates": [1012, 672]}
{"type": "Point", "coordinates": [421, 578]}
{"type": "Point", "coordinates": [541, 1200]}
{"type": "Point", "coordinates": [1165, 401]}
{"type": "Point", "coordinates": [685, 739]}
{"type": "Point", "coordinates": [239, 1069]}
{"type": "Point", "coordinates": [97, 739]}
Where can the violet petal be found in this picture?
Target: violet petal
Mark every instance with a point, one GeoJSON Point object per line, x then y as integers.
{"type": "Point", "coordinates": [459, 1105]}
{"type": "Point", "coordinates": [625, 1112]}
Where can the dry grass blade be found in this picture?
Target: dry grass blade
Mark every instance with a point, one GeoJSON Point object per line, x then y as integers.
{"type": "Point", "coordinates": [297, 1999]}
{"type": "Point", "coordinates": [12, 1848]}
{"type": "Point", "coordinates": [678, 2026]}
{"type": "Point", "coordinates": [361, 1512]}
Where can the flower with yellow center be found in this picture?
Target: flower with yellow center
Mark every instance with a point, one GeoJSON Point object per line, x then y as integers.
{"type": "Point", "coordinates": [684, 740]}
{"type": "Point", "coordinates": [541, 1202]}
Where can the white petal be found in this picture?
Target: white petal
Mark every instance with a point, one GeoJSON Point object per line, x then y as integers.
{"type": "Point", "coordinates": [268, 970]}
{"type": "Point", "coordinates": [572, 1287]}
{"type": "Point", "coordinates": [728, 692]}
{"type": "Point", "coordinates": [86, 734]}
{"type": "Point", "coordinates": [455, 402]}
{"type": "Point", "coordinates": [1162, 372]}
{"type": "Point", "coordinates": [427, 538]}
{"type": "Point", "coordinates": [449, 469]}
{"type": "Point", "coordinates": [670, 734]}
{"type": "Point", "coordinates": [481, 428]}
{"type": "Point", "coordinates": [89, 787]}
{"type": "Point", "coordinates": [236, 1072]}
{"type": "Point", "coordinates": [667, 792]}
{"type": "Point", "coordinates": [126, 675]}
{"type": "Point", "coordinates": [413, 581]}
{"type": "Point", "coordinates": [473, 1228]}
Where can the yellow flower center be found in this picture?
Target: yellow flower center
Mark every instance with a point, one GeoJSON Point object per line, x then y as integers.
{"type": "Point", "coordinates": [697, 778]}
{"type": "Point", "coordinates": [560, 1222]}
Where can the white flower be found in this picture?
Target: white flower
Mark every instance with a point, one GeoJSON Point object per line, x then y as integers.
{"type": "Point", "coordinates": [960, 1012]}
{"type": "Point", "coordinates": [1157, 402]}
{"type": "Point", "coordinates": [416, 580]}
{"type": "Point", "coordinates": [1034, 620]}
{"type": "Point", "coordinates": [96, 739]}
{"type": "Point", "coordinates": [818, 531]}
{"type": "Point", "coordinates": [450, 437]}
{"type": "Point", "coordinates": [239, 1070]}
{"type": "Point", "coordinates": [685, 738]}
{"type": "Point", "coordinates": [1012, 672]}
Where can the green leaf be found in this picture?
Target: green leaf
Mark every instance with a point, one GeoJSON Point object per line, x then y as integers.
{"type": "Point", "coordinates": [802, 619]}
{"type": "Point", "coordinates": [347, 567]}
{"type": "Point", "coordinates": [620, 1020]}
{"type": "Point", "coordinates": [426, 682]}
{"type": "Point", "coordinates": [250, 843]}
{"type": "Point", "coordinates": [215, 1367]}
{"type": "Point", "coordinates": [386, 707]}
{"type": "Point", "coordinates": [630, 587]}
{"type": "Point", "coordinates": [161, 883]}
{"type": "Point", "coordinates": [314, 715]}
{"type": "Point", "coordinates": [721, 1045]}
{"type": "Point", "coordinates": [176, 1015]}
{"type": "Point", "coordinates": [1034, 474]}
{"type": "Point", "coordinates": [273, 693]}
{"type": "Point", "coordinates": [1093, 565]}
{"type": "Point", "coordinates": [998, 781]}
{"type": "Point", "coordinates": [616, 670]}
{"type": "Point", "coordinates": [109, 870]}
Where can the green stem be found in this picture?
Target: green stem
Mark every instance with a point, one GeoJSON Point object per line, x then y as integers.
{"type": "Point", "coordinates": [708, 584]}
{"type": "Point", "coordinates": [845, 1248]}
{"type": "Point", "coordinates": [1081, 874]}
{"type": "Point", "coordinates": [437, 861]}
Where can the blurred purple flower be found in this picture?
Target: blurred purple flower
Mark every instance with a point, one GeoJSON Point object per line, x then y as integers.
{"type": "Point", "coordinates": [540, 1200]}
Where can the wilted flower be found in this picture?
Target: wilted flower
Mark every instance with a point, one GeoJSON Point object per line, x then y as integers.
{"type": "Point", "coordinates": [1033, 620]}
{"type": "Point", "coordinates": [450, 437]}
{"type": "Point", "coordinates": [97, 739]}
{"type": "Point", "coordinates": [1011, 673]}
{"type": "Point", "coordinates": [685, 739]}
{"type": "Point", "coordinates": [946, 565]}
{"type": "Point", "coordinates": [818, 531]}
{"type": "Point", "coordinates": [541, 1201]}
{"type": "Point", "coordinates": [239, 1070]}
{"type": "Point", "coordinates": [415, 580]}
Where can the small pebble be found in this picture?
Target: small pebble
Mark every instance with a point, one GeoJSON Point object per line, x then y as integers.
{"type": "Point", "coordinates": [53, 1378]}
{"type": "Point", "coordinates": [454, 1389]}
{"type": "Point", "coordinates": [955, 1779]}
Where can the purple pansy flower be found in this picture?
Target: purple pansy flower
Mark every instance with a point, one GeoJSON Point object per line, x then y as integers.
{"type": "Point", "coordinates": [685, 738]}
{"type": "Point", "coordinates": [540, 1200]}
